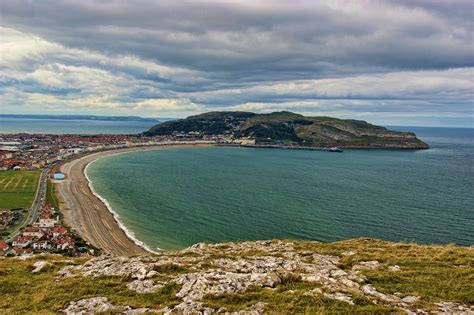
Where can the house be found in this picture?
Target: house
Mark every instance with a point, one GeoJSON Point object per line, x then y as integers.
{"type": "Point", "coordinates": [32, 231]}
{"type": "Point", "coordinates": [46, 211]}
{"type": "Point", "coordinates": [3, 248]}
{"type": "Point", "coordinates": [22, 241]}
{"type": "Point", "coordinates": [58, 231]}
{"type": "Point", "coordinates": [20, 251]}
{"type": "Point", "coordinates": [63, 242]}
{"type": "Point", "coordinates": [45, 223]}
{"type": "Point", "coordinates": [42, 243]}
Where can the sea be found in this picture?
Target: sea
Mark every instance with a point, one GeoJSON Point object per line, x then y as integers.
{"type": "Point", "coordinates": [176, 197]}
{"type": "Point", "coordinates": [72, 126]}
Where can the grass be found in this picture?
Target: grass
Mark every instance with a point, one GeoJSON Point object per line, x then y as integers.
{"type": "Point", "coordinates": [434, 272]}
{"type": "Point", "coordinates": [290, 298]}
{"type": "Point", "coordinates": [42, 293]}
{"type": "Point", "coordinates": [50, 195]}
{"type": "Point", "coordinates": [18, 188]}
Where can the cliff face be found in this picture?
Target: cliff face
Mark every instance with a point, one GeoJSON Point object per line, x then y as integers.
{"type": "Point", "coordinates": [356, 133]}
{"type": "Point", "coordinates": [292, 129]}
{"type": "Point", "coordinates": [362, 275]}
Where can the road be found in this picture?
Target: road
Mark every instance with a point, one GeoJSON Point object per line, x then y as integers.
{"type": "Point", "coordinates": [37, 204]}
{"type": "Point", "coordinates": [40, 197]}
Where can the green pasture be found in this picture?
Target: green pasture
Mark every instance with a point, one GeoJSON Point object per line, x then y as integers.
{"type": "Point", "coordinates": [18, 188]}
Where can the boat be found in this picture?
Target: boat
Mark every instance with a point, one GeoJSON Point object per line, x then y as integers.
{"type": "Point", "coordinates": [334, 149]}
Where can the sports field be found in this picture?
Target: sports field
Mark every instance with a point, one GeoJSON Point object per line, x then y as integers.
{"type": "Point", "coordinates": [17, 188]}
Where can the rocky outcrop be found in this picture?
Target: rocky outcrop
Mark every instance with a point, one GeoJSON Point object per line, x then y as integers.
{"type": "Point", "coordinates": [217, 269]}
{"type": "Point", "coordinates": [100, 305]}
{"type": "Point", "coordinates": [145, 286]}
{"type": "Point", "coordinates": [40, 265]}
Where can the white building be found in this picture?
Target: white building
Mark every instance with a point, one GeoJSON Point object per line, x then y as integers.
{"type": "Point", "coordinates": [43, 244]}
{"type": "Point", "coordinates": [45, 223]}
{"type": "Point", "coordinates": [21, 241]}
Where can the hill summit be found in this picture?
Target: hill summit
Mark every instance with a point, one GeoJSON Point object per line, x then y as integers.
{"type": "Point", "coordinates": [287, 128]}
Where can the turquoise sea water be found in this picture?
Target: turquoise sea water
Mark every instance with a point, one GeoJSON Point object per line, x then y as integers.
{"type": "Point", "coordinates": [69, 126]}
{"type": "Point", "coordinates": [176, 197]}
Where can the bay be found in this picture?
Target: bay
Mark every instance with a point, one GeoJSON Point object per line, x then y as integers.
{"type": "Point", "coordinates": [176, 197]}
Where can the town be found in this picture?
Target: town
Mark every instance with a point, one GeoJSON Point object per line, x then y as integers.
{"type": "Point", "coordinates": [46, 234]}
{"type": "Point", "coordinates": [35, 151]}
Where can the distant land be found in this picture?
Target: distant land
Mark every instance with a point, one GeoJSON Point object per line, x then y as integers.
{"type": "Point", "coordinates": [290, 129]}
{"type": "Point", "coordinates": [83, 117]}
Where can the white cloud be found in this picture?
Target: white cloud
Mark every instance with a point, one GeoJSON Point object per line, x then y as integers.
{"type": "Point", "coordinates": [167, 106]}
{"type": "Point", "coordinates": [16, 47]}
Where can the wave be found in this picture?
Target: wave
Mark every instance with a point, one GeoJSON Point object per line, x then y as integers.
{"type": "Point", "coordinates": [115, 215]}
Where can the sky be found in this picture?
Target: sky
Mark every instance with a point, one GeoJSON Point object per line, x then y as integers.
{"type": "Point", "coordinates": [405, 62]}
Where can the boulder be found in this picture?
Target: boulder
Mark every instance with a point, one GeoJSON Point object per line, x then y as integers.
{"type": "Point", "coordinates": [100, 305]}
{"type": "Point", "coordinates": [144, 286]}
{"type": "Point", "coordinates": [40, 265]}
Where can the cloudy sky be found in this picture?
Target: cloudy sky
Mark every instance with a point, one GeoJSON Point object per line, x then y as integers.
{"type": "Point", "coordinates": [389, 62]}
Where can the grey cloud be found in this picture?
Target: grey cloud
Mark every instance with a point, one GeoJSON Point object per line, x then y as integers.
{"type": "Point", "coordinates": [235, 40]}
{"type": "Point", "coordinates": [343, 57]}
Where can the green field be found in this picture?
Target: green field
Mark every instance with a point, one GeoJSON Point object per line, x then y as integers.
{"type": "Point", "coordinates": [50, 195]}
{"type": "Point", "coordinates": [18, 188]}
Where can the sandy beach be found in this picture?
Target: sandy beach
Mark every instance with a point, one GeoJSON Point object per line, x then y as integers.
{"type": "Point", "coordinates": [87, 214]}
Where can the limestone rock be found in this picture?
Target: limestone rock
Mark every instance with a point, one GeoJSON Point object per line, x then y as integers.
{"type": "Point", "coordinates": [196, 285]}
{"type": "Point", "coordinates": [99, 305]}
{"type": "Point", "coordinates": [394, 268]}
{"type": "Point", "coordinates": [39, 265]}
{"type": "Point", "coordinates": [373, 264]}
{"type": "Point", "coordinates": [67, 271]}
{"type": "Point", "coordinates": [455, 308]}
{"type": "Point", "coordinates": [259, 307]}
{"type": "Point", "coordinates": [134, 268]}
{"type": "Point", "coordinates": [189, 307]}
{"type": "Point", "coordinates": [368, 289]}
{"type": "Point", "coordinates": [410, 299]}
{"type": "Point", "coordinates": [144, 286]}
{"type": "Point", "coordinates": [217, 269]}
{"type": "Point", "coordinates": [340, 297]}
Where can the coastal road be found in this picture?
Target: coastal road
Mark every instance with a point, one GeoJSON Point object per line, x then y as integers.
{"type": "Point", "coordinates": [39, 198]}
{"type": "Point", "coordinates": [87, 214]}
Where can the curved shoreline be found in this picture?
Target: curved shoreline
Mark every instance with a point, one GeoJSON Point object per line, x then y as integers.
{"type": "Point", "coordinates": [89, 214]}
{"type": "Point", "coordinates": [116, 216]}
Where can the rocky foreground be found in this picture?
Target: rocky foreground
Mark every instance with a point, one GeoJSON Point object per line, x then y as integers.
{"type": "Point", "coordinates": [259, 277]}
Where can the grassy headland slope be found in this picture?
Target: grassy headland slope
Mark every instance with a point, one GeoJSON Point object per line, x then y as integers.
{"type": "Point", "coordinates": [288, 128]}
{"type": "Point", "coordinates": [355, 276]}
